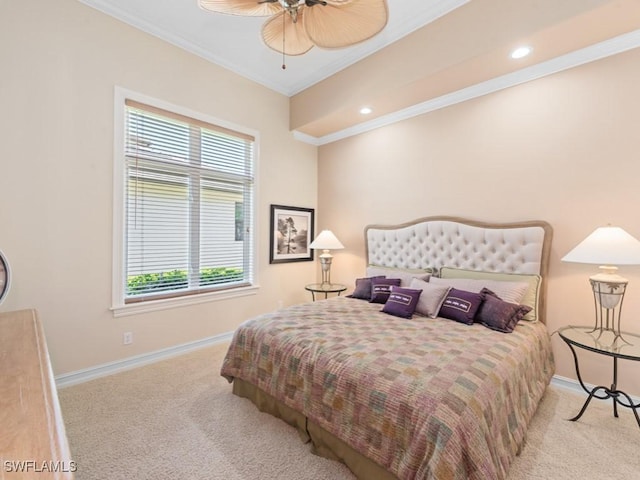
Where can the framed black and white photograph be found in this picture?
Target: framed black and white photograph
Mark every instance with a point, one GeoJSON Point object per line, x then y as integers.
{"type": "Point", "coordinates": [291, 233]}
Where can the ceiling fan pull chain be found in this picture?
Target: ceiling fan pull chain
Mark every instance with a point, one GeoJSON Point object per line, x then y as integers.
{"type": "Point", "coordinates": [284, 67]}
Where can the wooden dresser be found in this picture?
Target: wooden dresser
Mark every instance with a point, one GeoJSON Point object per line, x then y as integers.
{"type": "Point", "coordinates": [33, 443]}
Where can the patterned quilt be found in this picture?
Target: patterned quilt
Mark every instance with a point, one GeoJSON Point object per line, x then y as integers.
{"type": "Point", "coordinates": [424, 398]}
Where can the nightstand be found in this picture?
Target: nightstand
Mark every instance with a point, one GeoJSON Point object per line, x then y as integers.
{"type": "Point", "coordinates": [604, 342]}
{"type": "Point", "coordinates": [325, 288]}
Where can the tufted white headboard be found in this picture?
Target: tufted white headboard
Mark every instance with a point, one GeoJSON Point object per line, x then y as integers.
{"type": "Point", "coordinates": [435, 242]}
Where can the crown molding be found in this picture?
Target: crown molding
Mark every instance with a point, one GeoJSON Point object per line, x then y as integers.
{"type": "Point", "coordinates": [140, 23]}
{"type": "Point", "coordinates": [431, 12]}
{"type": "Point", "coordinates": [585, 55]}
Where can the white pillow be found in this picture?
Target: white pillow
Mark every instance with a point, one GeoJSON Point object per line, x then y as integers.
{"type": "Point", "coordinates": [530, 297]}
{"type": "Point", "coordinates": [512, 292]}
{"type": "Point", "coordinates": [431, 298]}
{"type": "Point", "coordinates": [404, 274]}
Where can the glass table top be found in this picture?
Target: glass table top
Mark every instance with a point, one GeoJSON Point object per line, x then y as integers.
{"type": "Point", "coordinates": [326, 287]}
{"type": "Point", "coordinates": [626, 345]}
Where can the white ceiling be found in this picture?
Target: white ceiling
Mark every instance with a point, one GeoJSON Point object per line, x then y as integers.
{"type": "Point", "coordinates": [234, 42]}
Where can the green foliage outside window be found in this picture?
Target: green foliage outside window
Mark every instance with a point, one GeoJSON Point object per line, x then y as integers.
{"type": "Point", "coordinates": [177, 279]}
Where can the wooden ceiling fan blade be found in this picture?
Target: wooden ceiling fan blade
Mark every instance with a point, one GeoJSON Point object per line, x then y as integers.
{"type": "Point", "coordinates": [341, 24]}
{"type": "Point", "coordinates": [277, 28]}
{"type": "Point", "coordinates": [251, 8]}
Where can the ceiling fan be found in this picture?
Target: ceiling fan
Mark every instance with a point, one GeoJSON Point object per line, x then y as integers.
{"type": "Point", "coordinates": [296, 26]}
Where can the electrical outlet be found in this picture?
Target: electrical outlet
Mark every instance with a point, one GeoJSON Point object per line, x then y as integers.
{"type": "Point", "coordinates": [127, 338]}
{"type": "Point", "coordinates": [280, 304]}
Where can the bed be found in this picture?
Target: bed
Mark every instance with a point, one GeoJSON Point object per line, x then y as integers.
{"type": "Point", "coordinates": [410, 398]}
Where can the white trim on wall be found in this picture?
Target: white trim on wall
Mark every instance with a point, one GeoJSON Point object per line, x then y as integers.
{"type": "Point", "coordinates": [81, 376]}
{"type": "Point", "coordinates": [595, 52]}
{"type": "Point", "coordinates": [574, 386]}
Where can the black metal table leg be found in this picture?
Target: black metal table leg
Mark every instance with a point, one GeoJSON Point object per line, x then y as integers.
{"type": "Point", "coordinates": [592, 393]}
{"type": "Point", "coordinates": [612, 392]}
{"type": "Point", "coordinates": [613, 387]}
{"type": "Point", "coordinates": [631, 405]}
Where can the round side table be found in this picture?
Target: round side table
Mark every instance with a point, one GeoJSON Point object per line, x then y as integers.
{"type": "Point", "coordinates": [325, 288]}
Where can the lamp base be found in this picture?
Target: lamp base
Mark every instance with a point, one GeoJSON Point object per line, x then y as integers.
{"type": "Point", "coordinates": [325, 264]}
{"type": "Point", "coordinates": [608, 293]}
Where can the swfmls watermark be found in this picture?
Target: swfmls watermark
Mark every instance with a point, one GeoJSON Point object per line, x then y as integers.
{"type": "Point", "coordinates": [39, 466]}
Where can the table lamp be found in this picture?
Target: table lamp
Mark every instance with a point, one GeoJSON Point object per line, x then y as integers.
{"type": "Point", "coordinates": [326, 241]}
{"type": "Point", "coordinates": [607, 246]}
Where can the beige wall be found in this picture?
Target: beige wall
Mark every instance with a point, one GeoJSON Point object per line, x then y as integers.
{"type": "Point", "coordinates": [60, 61]}
{"type": "Point", "coordinates": [564, 149]}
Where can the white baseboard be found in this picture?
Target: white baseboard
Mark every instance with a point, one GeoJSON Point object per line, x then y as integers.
{"type": "Point", "coordinates": [81, 376]}
{"type": "Point", "coordinates": [574, 386]}
{"type": "Point", "coordinates": [568, 384]}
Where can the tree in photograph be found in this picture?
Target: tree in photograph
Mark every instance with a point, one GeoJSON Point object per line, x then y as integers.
{"type": "Point", "coordinates": [287, 229]}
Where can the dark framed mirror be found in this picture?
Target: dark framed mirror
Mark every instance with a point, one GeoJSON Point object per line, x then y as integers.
{"type": "Point", "coordinates": [5, 277]}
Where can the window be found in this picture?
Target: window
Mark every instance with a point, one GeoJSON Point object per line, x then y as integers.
{"type": "Point", "coordinates": [187, 195]}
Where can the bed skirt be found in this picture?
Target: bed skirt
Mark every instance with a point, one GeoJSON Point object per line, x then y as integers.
{"type": "Point", "coordinates": [322, 442]}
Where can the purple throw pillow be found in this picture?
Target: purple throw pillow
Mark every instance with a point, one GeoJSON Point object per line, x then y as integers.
{"type": "Point", "coordinates": [461, 306]}
{"type": "Point", "coordinates": [402, 302]}
{"type": "Point", "coordinates": [381, 288]}
{"type": "Point", "coordinates": [363, 287]}
{"type": "Point", "coordinates": [499, 315]}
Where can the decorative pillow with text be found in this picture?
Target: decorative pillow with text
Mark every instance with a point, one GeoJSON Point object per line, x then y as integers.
{"type": "Point", "coordinates": [402, 302]}
{"type": "Point", "coordinates": [381, 288]}
{"type": "Point", "coordinates": [461, 305]}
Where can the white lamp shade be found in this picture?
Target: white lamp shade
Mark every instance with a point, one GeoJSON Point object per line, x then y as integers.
{"type": "Point", "coordinates": [606, 246]}
{"type": "Point", "coordinates": [326, 241]}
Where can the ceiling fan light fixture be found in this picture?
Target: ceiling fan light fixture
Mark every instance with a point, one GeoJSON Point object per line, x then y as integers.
{"type": "Point", "coordinates": [296, 26]}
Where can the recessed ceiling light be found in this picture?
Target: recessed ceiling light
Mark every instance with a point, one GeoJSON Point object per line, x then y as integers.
{"type": "Point", "coordinates": [366, 110]}
{"type": "Point", "coordinates": [521, 52]}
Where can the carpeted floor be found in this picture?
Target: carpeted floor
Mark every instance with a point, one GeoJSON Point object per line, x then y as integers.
{"type": "Point", "coordinates": [178, 419]}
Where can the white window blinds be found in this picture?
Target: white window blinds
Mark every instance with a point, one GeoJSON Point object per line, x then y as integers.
{"type": "Point", "coordinates": [189, 205]}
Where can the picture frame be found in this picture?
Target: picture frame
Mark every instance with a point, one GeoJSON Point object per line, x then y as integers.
{"type": "Point", "coordinates": [291, 233]}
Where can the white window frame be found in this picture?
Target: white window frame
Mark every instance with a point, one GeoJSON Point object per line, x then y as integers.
{"type": "Point", "coordinates": [118, 306]}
